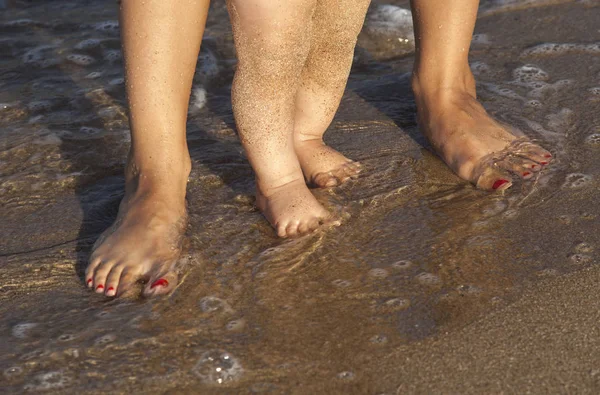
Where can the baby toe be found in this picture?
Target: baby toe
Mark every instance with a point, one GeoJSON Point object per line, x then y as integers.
{"type": "Point", "coordinates": [161, 284]}
{"type": "Point", "coordinates": [494, 178]}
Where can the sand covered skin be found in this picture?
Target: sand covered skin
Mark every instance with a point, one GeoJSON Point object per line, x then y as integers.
{"type": "Point", "coordinates": [414, 285]}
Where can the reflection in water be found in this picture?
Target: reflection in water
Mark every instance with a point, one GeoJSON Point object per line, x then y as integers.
{"type": "Point", "coordinates": [419, 249]}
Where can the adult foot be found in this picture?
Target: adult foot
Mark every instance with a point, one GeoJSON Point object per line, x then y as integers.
{"type": "Point", "coordinates": [323, 166]}
{"type": "Point", "coordinates": [291, 208]}
{"type": "Point", "coordinates": [475, 146]}
{"type": "Point", "coordinates": [144, 243]}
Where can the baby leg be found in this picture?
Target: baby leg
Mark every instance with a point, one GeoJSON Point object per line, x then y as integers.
{"type": "Point", "coordinates": [473, 144]}
{"type": "Point", "coordinates": [272, 42]}
{"type": "Point", "coordinates": [336, 25]}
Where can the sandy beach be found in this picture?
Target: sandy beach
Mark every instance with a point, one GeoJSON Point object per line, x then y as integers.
{"type": "Point", "coordinates": [429, 285]}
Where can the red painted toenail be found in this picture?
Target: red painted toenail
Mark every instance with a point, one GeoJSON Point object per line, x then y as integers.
{"type": "Point", "coordinates": [89, 281]}
{"type": "Point", "coordinates": [547, 156]}
{"type": "Point", "coordinates": [533, 166]}
{"type": "Point", "coordinates": [161, 281]}
{"type": "Point", "coordinates": [499, 183]}
{"type": "Point", "coordinates": [100, 286]}
{"type": "Point", "coordinates": [110, 289]}
{"type": "Point", "coordinates": [543, 163]}
{"type": "Point", "coordinates": [526, 174]}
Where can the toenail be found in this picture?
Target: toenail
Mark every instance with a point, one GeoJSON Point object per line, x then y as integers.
{"type": "Point", "coordinates": [526, 174]}
{"type": "Point", "coordinates": [161, 281]}
{"type": "Point", "coordinates": [543, 163]}
{"type": "Point", "coordinates": [548, 156]}
{"type": "Point", "coordinates": [89, 281]}
{"type": "Point", "coordinates": [110, 289]}
{"type": "Point", "coordinates": [100, 286]}
{"type": "Point", "coordinates": [499, 183]}
{"type": "Point", "coordinates": [533, 166]}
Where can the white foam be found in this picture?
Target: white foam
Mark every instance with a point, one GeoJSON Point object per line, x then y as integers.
{"type": "Point", "coordinates": [558, 49]}
{"type": "Point", "coordinates": [81, 60]}
{"type": "Point", "coordinates": [198, 98]}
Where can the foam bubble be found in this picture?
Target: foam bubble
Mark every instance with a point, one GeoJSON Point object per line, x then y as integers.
{"type": "Point", "coordinates": [480, 68]}
{"type": "Point", "coordinates": [35, 354]}
{"type": "Point", "coordinates": [13, 371]}
{"type": "Point", "coordinates": [236, 325]}
{"type": "Point", "coordinates": [534, 103]}
{"type": "Point", "coordinates": [40, 56]}
{"type": "Point", "coordinates": [481, 39]}
{"type": "Point", "coordinates": [218, 367]}
{"type": "Point", "coordinates": [346, 375]}
{"type": "Point", "coordinates": [211, 304]}
{"type": "Point", "coordinates": [208, 65]}
{"type": "Point", "coordinates": [109, 27]}
{"type": "Point", "coordinates": [94, 74]}
{"type": "Point", "coordinates": [117, 81]}
{"type": "Point", "coordinates": [529, 73]}
{"type": "Point", "coordinates": [198, 98]}
{"type": "Point", "coordinates": [113, 56]}
{"type": "Point", "coordinates": [402, 265]}
{"type": "Point", "coordinates": [576, 180]}
{"type": "Point", "coordinates": [339, 283]}
{"type": "Point", "coordinates": [81, 60]}
{"type": "Point", "coordinates": [397, 303]}
{"type": "Point", "coordinates": [580, 259]}
{"type": "Point", "coordinates": [378, 273]}
{"type": "Point", "coordinates": [556, 49]}
{"type": "Point", "coordinates": [21, 331]}
{"type": "Point", "coordinates": [584, 247]}
{"type": "Point", "coordinates": [39, 106]}
{"type": "Point", "coordinates": [105, 339]}
{"type": "Point", "coordinates": [90, 43]}
{"type": "Point", "coordinates": [593, 139]}
{"type": "Point", "coordinates": [48, 381]}
{"type": "Point", "coordinates": [67, 337]}
{"type": "Point", "coordinates": [378, 339]}
{"type": "Point", "coordinates": [428, 279]}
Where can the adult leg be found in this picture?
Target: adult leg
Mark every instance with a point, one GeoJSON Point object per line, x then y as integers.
{"type": "Point", "coordinates": [474, 145]}
{"type": "Point", "coordinates": [272, 42]}
{"type": "Point", "coordinates": [336, 25]}
{"type": "Point", "coordinates": [161, 41]}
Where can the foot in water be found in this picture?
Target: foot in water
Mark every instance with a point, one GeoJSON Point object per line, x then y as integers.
{"type": "Point", "coordinates": [475, 146]}
{"type": "Point", "coordinates": [291, 208]}
{"type": "Point", "coordinates": [323, 166]}
{"type": "Point", "coordinates": [143, 244]}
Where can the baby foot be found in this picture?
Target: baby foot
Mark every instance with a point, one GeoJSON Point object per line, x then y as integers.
{"type": "Point", "coordinates": [291, 209]}
{"type": "Point", "coordinates": [323, 166]}
{"type": "Point", "coordinates": [144, 243]}
{"type": "Point", "coordinates": [474, 145]}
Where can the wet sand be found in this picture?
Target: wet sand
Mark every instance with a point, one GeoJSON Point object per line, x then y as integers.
{"type": "Point", "coordinates": [429, 286]}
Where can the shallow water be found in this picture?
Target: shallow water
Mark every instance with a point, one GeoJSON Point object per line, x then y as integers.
{"type": "Point", "coordinates": [420, 252]}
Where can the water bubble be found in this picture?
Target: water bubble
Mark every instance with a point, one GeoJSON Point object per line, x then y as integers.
{"type": "Point", "coordinates": [402, 265]}
{"type": "Point", "coordinates": [48, 381]}
{"type": "Point", "coordinates": [109, 27]}
{"type": "Point", "coordinates": [113, 56]}
{"type": "Point", "coordinates": [397, 303]}
{"type": "Point", "coordinates": [479, 68]}
{"type": "Point", "coordinates": [529, 73]}
{"type": "Point", "coordinates": [428, 279]}
{"type": "Point", "coordinates": [378, 339]}
{"type": "Point", "coordinates": [378, 273]}
{"type": "Point", "coordinates": [13, 371]}
{"type": "Point", "coordinates": [339, 283]}
{"type": "Point", "coordinates": [94, 74]}
{"type": "Point", "coordinates": [20, 331]}
{"type": "Point", "coordinates": [580, 259]}
{"type": "Point", "coordinates": [593, 139]}
{"type": "Point", "coordinates": [88, 44]}
{"type": "Point", "coordinates": [67, 337]}
{"type": "Point", "coordinates": [576, 180]}
{"type": "Point", "coordinates": [211, 304]}
{"type": "Point", "coordinates": [117, 81]}
{"type": "Point", "coordinates": [81, 60]}
{"type": "Point", "coordinates": [480, 39]}
{"type": "Point", "coordinates": [346, 375]}
{"type": "Point", "coordinates": [236, 325]}
{"type": "Point", "coordinates": [108, 338]}
{"type": "Point", "coordinates": [35, 354]}
{"type": "Point", "coordinates": [584, 247]}
{"type": "Point", "coordinates": [218, 367]}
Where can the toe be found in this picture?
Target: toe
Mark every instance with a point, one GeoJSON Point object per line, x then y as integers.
{"type": "Point", "coordinates": [523, 167]}
{"type": "Point", "coordinates": [303, 227]}
{"type": "Point", "coordinates": [494, 178]}
{"type": "Point", "coordinates": [281, 230]}
{"type": "Point", "coordinates": [127, 282]}
{"type": "Point", "coordinates": [313, 224]}
{"type": "Point", "coordinates": [161, 284]}
{"type": "Point", "coordinates": [292, 229]}
{"type": "Point", "coordinates": [100, 276]}
{"type": "Point", "coordinates": [325, 180]}
{"type": "Point", "coordinates": [112, 281]}
{"type": "Point", "coordinates": [90, 270]}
